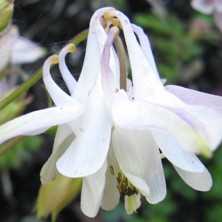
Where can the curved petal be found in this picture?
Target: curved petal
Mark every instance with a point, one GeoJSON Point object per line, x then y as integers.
{"type": "Point", "coordinates": [59, 97]}
{"type": "Point", "coordinates": [88, 151]}
{"type": "Point", "coordinates": [63, 138]}
{"type": "Point", "coordinates": [176, 154]}
{"type": "Point", "coordinates": [205, 120]}
{"type": "Point", "coordinates": [143, 115]}
{"type": "Point", "coordinates": [38, 121]}
{"type": "Point", "coordinates": [139, 159]}
{"type": "Point", "coordinates": [201, 181]}
{"type": "Point", "coordinates": [194, 97]}
{"type": "Point", "coordinates": [204, 6]}
{"type": "Point", "coordinates": [92, 192]}
{"type": "Point", "coordinates": [67, 76]}
{"type": "Point", "coordinates": [91, 65]}
{"type": "Point", "coordinates": [145, 45]}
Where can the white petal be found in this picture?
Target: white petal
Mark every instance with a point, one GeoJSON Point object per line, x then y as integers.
{"type": "Point", "coordinates": [199, 181]}
{"type": "Point", "coordinates": [143, 115]}
{"type": "Point", "coordinates": [67, 76]}
{"type": "Point", "coordinates": [111, 194]}
{"type": "Point", "coordinates": [176, 154]}
{"type": "Point", "coordinates": [205, 120]}
{"type": "Point", "coordinates": [7, 42]}
{"type": "Point", "coordinates": [204, 6]}
{"type": "Point", "coordinates": [38, 121]}
{"type": "Point", "coordinates": [91, 65]}
{"type": "Point", "coordinates": [92, 192]}
{"type": "Point", "coordinates": [89, 150]}
{"type": "Point", "coordinates": [63, 138]}
{"type": "Point", "coordinates": [59, 97]}
{"type": "Point", "coordinates": [194, 97]}
{"type": "Point", "coordinates": [139, 159]}
{"type": "Point", "coordinates": [145, 45]}
{"type": "Point", "coordinates": [26, 51]}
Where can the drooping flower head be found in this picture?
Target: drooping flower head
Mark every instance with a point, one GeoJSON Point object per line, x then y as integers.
{"type": "Point", "coordinates": [113, 132]}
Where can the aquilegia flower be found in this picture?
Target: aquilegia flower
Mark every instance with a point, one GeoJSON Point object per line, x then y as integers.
{"type": "Point", "coordinates": [17, 50]}
{"type": "Point", "coordinates": [114, 133]}
{"type": "Point", "coordinates": [213, 7]}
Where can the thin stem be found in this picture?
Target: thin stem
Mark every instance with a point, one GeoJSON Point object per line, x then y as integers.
{"type": "Point", "coordinates": [122, 60]}
{"type": "Point", "coordinates": [10, 144]}
{"type": "Point", "coordinates": [19, 91]}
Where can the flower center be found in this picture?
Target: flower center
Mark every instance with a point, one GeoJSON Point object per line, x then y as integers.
{"type": "Point", "coordinates": [124, 186]}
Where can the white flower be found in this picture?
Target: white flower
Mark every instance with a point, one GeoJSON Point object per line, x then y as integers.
{"type": "Point", "coordinates": [213, 7]}
{"type": "Point", "coordinates": [17, 50]}
{"type": "Point", "coordinates": [115, 137]}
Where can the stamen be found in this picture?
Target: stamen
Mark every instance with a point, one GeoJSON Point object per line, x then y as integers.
{"type": "Point", "coordinates": [67, 76]}
{"type": "Point", "coordinates": [124, 186]}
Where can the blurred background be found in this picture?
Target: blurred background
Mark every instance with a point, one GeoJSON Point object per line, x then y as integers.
{"type": "Point", "coordinates": [188, 50]}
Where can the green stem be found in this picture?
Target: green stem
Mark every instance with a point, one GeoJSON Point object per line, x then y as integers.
{"type": "Point", "coordinates": [28, 84]}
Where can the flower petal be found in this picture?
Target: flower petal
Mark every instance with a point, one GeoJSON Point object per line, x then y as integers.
{"type": "Point", "coordinates": [145, 45]}
{"type": "Point", "coordinates": [63, 138]}
{"type": "Point", "coordinates": [59, 97]}
{"type": "Point", "coordinates": [176, 154]}
{"type": "Point", "coordinates": [204, 6]}
{"type": "Point", "coordinates": [139, 159]}
{"type": "Point", "coordinates": [217, 15]}
{"type": "Point", "coordinates": [201, 181]}
{"type": "Point", "coordinates": [66, 75]}
{"type": "Point", "coordinates": [194, 97]}
{"type": "Point", "coordinates": [91, 65]}
{"type": "Point", "coordinates": [26, 51]}
{"type": "Point", "coordinates": [143, 115]}
{"type": "Point", "coordinates": [92, 192]}
{"type": "Point", "coordinates": [38, 121]}
{"type": "Point", "coordinates": [111, 194]}
{"type": "Point", "coordinates": [88, 151]}
{"type": "Point", "coordinates": [7, 42]}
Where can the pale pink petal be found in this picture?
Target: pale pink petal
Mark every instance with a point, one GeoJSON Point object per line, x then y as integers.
{"type": "Point", "coordinates": [194, 97]}
{"type": "Point", "coordinates": [204, 6]}
{"type": "Point", "coordinates": [218, 19]}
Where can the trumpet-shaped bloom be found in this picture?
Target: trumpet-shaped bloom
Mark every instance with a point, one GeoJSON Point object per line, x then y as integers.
{"type": "Point", "coordinates": [213, 7]}
{"type": "Point", "coordinates": [115, 137]}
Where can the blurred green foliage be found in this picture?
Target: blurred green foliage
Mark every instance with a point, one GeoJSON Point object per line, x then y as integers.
{"type": "Point", "coordinates": [14, 157]}
{"type": "Point", "coordinates": [173, 43]}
